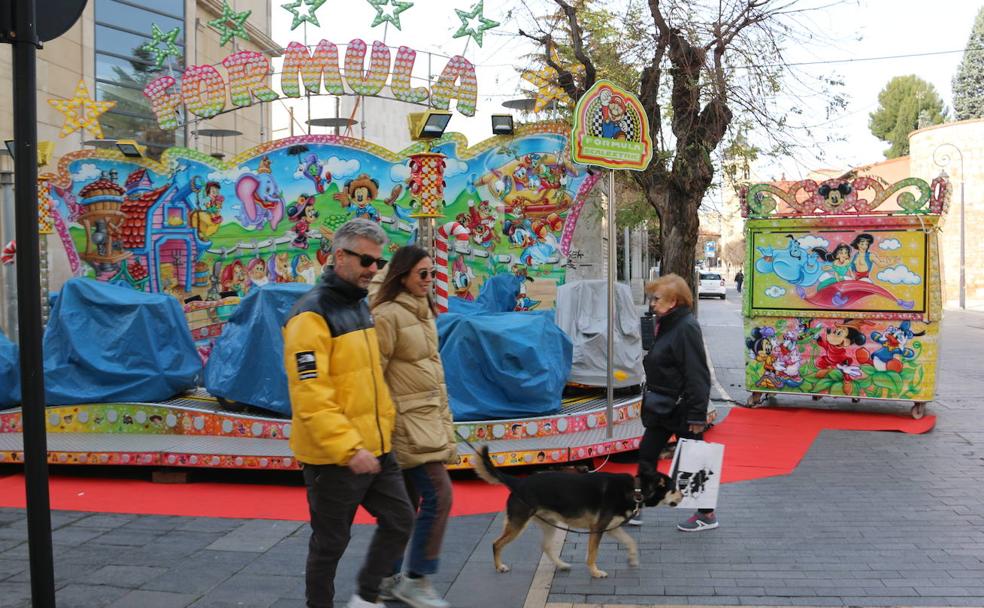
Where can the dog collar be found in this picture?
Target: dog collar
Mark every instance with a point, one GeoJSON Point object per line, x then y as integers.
{"type": "Point", "coordinates": [637, 492]}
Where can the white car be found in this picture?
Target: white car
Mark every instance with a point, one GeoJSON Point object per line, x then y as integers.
{"type": "Point", "coordinates": [711, 284]}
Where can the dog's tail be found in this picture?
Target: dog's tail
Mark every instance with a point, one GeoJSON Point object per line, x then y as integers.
{"type": "Point", "coordinates": [485, 469]}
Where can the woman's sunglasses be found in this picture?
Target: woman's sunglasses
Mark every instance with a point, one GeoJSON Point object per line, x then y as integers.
{"type": "Point", "coordinates": [366, 260]}
{"type": "Point", "coordinates": [423, 272]}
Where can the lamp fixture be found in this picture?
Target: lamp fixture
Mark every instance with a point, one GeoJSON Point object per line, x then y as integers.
{"type": "Point", "coordinates": [502, 124]}
{"type": "Point", "coordinates": [428, 125]}
{"type": "Point", "coordinates": [45, 150]}
{"type": "Point", "coordinates": [130, 148]}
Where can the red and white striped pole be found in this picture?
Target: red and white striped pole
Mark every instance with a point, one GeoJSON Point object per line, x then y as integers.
{"type": "Point", "coordinates": [459, 233]}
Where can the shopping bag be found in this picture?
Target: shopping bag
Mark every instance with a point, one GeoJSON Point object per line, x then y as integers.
{"type": "Point", "coordinates": [696, 469]}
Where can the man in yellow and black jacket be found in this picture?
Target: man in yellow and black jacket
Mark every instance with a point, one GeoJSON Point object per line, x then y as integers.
{"type": "Point", "coordinates": [343, 419]}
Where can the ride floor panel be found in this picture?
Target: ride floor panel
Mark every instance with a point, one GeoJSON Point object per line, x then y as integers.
{"type": "Point", "coordinates": [193, 430]}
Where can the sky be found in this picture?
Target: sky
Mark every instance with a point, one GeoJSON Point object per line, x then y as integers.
{"type": "Point", "coordinates": [852, 39]}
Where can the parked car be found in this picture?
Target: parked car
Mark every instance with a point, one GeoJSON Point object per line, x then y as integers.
{"type": "Point", "coordinates": [711, 284]}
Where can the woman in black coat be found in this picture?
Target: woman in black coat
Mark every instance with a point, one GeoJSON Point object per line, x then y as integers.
{"type": "Point", "coordinates": [678, 381]}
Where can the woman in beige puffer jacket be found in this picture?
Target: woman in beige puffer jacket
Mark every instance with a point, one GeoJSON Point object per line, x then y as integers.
{"type": "Point", "coordinates": [423, 438]}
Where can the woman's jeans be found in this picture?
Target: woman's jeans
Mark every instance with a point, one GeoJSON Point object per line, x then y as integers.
{"type": "Point", "coordinates": [429, 488]}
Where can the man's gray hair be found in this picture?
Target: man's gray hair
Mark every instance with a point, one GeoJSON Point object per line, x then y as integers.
{"type": "Point", "coordinates": [355, 229]}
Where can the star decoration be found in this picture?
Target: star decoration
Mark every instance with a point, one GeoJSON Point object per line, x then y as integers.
{"type": "Point", "coordinates": [545, 81]}
{"type": "Point", "coordinates": [310, 17]}
{"type": "Point", "coordinates": [170, 49]}
{"type": "Point", "coordinates": [238, 24]}
{"type": "Point", "coordinates": [398, 6]}
{"type": "Point", "coordinates": [468, 25]}
{"type": "Point", "coordinates": [81, 112]}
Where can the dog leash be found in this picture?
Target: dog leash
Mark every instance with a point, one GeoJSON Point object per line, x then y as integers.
{"type": "Point", "coordinates": [636, 497]}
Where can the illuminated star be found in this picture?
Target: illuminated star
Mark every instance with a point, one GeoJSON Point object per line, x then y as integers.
{"type": "Point", "coordinates": [310, 17]}
{"type": "Point", "coordinates": [398, 6]}
{"type": "Point", "coordinates": [230, 24]}
{"type": "Point", "coordinates": [469, 27]}
{"type": "Point", "coordinates": [81, 112]}
{"type": "Point", "coordinates": [170, 49]}
{"type": "Point", "coordinates": [545, 81]}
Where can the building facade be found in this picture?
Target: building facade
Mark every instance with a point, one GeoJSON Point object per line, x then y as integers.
{"type": "Point", "coordinates": [103, 50]}
{"type": "Point", "coordinates": [958, 149]}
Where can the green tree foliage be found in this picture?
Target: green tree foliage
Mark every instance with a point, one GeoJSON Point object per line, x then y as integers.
{"type": "Point", "coordinates": [906, 103]}
{"type": "Point", "coordinates": [968, 84]}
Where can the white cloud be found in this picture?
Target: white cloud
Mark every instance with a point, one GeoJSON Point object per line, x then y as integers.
{"type": "Point", "coordinates": [400, 173]}
{"type": "Point", "coordinates": [341, 168]}
{"type": "Point", "coordinates": [775, 292]}
{"type": "Point", "coordinates": [890, 244]}
{"type": "Point", "coordinates": [810, 241]}
{"type": "Point", "coordinates": [86, 172]}
{"type": "Point", "coordinates": [455, 167]}
{"type": "Point", "coordinates": [229, 175]}
{"type": "Point", "coordinates": [899, 275]}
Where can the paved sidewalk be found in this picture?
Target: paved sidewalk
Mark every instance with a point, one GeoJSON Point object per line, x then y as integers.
{"type": "Point", "coordinates": [867, 519]}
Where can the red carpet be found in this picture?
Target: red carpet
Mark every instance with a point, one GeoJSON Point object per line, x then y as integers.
{"type": "Point", "coordinates": [760, 443]}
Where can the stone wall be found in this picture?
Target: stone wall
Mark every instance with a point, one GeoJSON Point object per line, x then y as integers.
{"type": "Point", "coordinates": [928, 149]}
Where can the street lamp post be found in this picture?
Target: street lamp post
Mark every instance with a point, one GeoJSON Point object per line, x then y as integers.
{"type": "Point", "coordinates": [941, 156]}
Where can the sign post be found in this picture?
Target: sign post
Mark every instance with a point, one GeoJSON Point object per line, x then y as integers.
{"type": "Point", "coordinates": [611, 130]}
{"type": "Point", "coordinates": [25, 29]}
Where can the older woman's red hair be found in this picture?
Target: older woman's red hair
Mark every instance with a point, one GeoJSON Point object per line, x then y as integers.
{"type": "Point", "coordinates": [671, 286]}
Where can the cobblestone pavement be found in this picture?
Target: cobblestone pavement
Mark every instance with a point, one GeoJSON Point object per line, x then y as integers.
{"type": "Point", "coordinates": [866, 519]}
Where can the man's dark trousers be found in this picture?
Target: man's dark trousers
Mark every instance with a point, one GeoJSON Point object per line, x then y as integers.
{"type": "Point", "coordinates": [334, 493]}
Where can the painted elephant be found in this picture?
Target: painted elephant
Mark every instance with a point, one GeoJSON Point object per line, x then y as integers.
{"type": "Point", "coordinates": [261, 198]}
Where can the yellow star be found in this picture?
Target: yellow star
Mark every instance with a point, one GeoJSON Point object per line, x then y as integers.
{"type": "Point", "coordinates": [81, 112]}
{"type": "Point", "coordinates": [545, 81]}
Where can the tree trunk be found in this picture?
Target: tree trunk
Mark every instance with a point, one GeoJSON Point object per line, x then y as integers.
{"type": "Point", "coordinates": [679, 229]}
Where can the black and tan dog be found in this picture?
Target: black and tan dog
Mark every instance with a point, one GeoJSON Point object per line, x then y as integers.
{"type": "Point", "coordinates": [597, 502]}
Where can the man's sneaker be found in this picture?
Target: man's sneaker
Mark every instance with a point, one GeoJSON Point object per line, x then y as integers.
{"type": "Point", "coordinates": [699, 522]}
{"type": "Point", "coordinates": [418, 593]}
{"type": "Point", "coordinates": [386, 587]}
{"type": "Point", "coordinates": [358, 602]}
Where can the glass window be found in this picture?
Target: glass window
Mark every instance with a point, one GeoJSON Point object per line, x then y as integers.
{"type": "Point", "coordinates": [123, 70]}
{"type": "Point", "coordinates": [129, 15]}
{"type": "Point", "coordinates": [161, 8]}
{"type": "Point", "coordinates": [130, 72]}
{"type": "Point", "coordinates": [707, 276]}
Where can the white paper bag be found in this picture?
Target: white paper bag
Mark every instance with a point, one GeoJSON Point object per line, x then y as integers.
{"type": "Point", "coordinates": [696, 469]}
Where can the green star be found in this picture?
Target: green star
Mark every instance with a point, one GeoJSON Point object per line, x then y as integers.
{"type": "Point", "coordinates": [398, 7]}
{"type": "Point", "coordinates": [468, 28]}
{"type": "Point", "coordinates": [222, 25]}
{"type": "Point", "coordinates": [310, 17]}
{"type": "Point", "coordinates": [170, 49]}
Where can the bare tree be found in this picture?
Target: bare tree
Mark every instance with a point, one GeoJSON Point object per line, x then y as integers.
{"type": "Point", "coordinates": [699, 63]}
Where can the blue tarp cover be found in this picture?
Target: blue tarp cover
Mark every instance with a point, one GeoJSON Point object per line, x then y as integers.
{"type": "Point", "coordinates": [105, 343]}
{"type": "Point", "coordinates": [247, 363]}
{"type": "Point", "coordinates": [9, 373]}
{"type": "Point", "coordinates": [498, 294]}
{"type": "Point", "coordinates": [504, 365]}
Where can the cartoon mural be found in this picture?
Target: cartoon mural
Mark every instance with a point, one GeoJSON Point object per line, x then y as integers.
{"type": "Point", "coordinates": [208, 232]}
{"type": "Point", "coordinates": [846, 357]}
{"type": "Point", "coordinates": [843, 293]}
{"type": "Point", "coordinates": [864, 269]}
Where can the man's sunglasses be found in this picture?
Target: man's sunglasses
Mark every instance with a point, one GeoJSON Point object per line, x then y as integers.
{"type": "Point", "coordinates": [423, 272]}
{"type": "Point", "coordinates": [366, 260]}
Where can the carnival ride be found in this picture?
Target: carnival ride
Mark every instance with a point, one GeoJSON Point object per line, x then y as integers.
{"type": "Point", "coordinates": [209, 233]}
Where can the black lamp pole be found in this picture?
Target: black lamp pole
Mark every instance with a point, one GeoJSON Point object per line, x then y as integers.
{"type": "Point", "coordinates": [25, 41]}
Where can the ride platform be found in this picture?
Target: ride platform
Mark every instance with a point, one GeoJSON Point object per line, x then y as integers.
{"type": "Point", "coordinates": [196, 431]}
